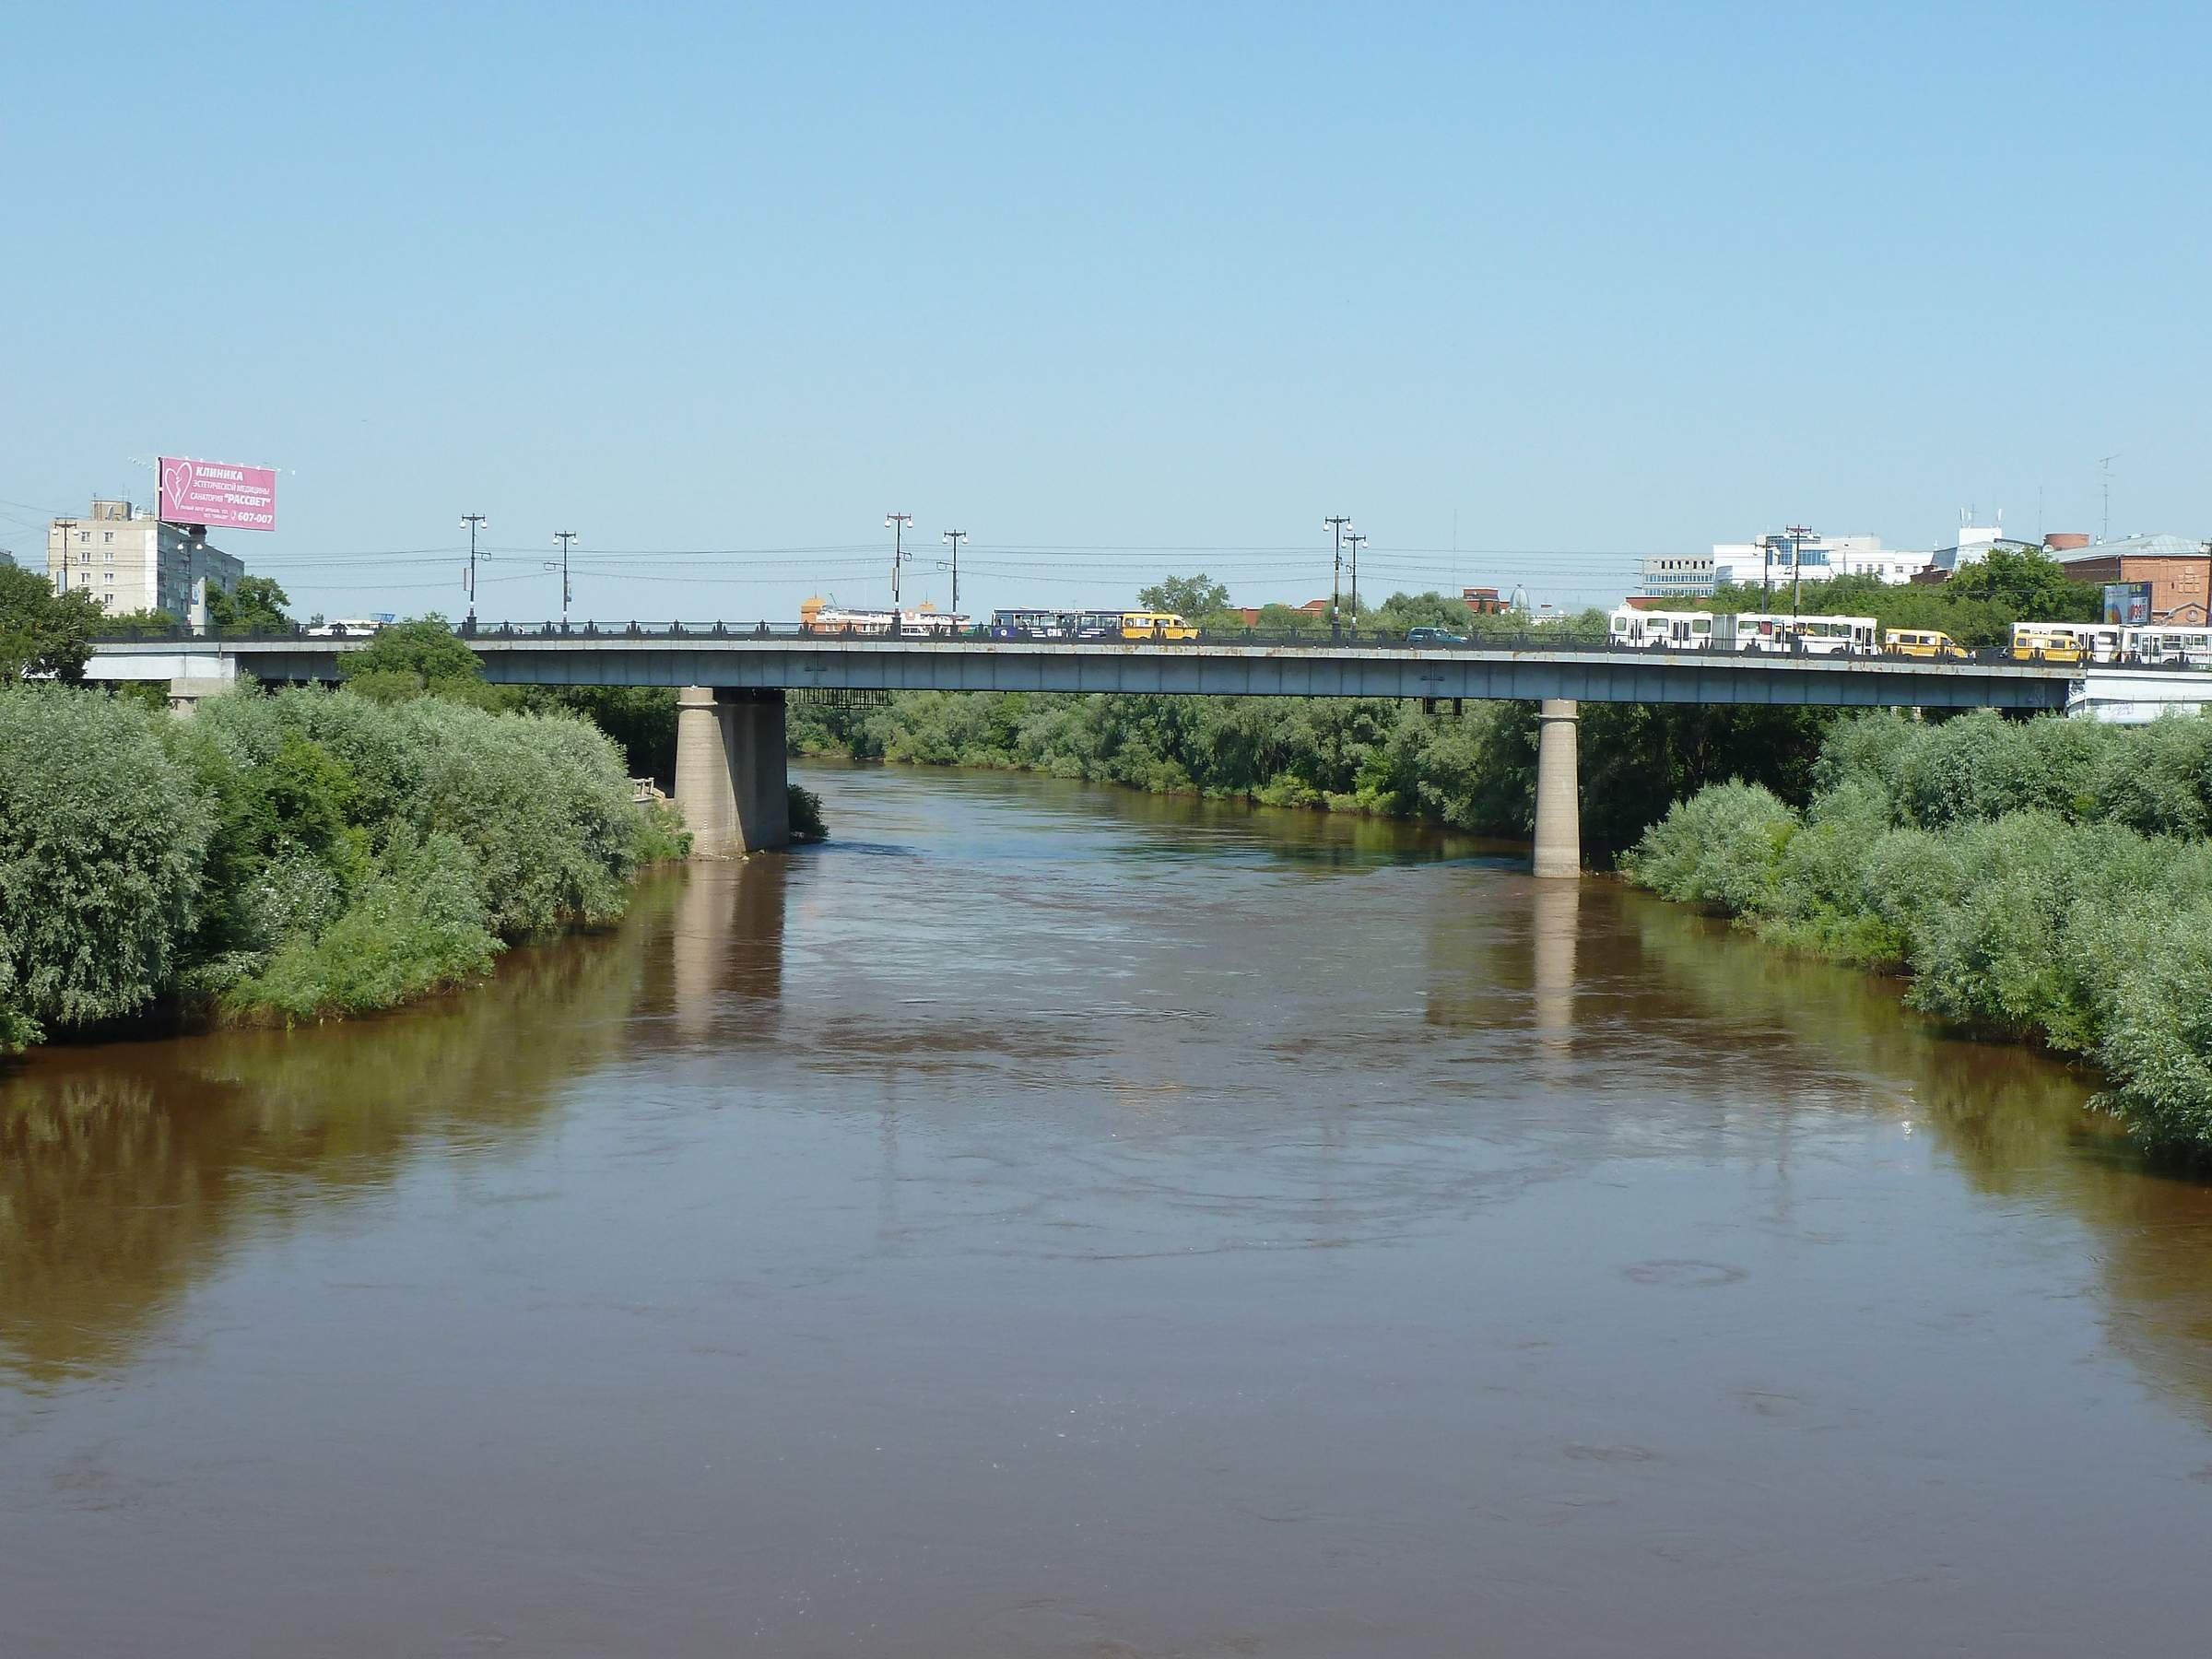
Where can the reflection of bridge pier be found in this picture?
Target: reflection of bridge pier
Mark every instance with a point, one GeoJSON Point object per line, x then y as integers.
{"type": "Point", "coordinates": [728, 942]}
{"type": "Point", "coordinates": [1554, 923]}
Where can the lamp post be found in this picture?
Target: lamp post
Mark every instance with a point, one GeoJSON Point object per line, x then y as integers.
{"type": "Point", "coordinates": [956, 537]}
{"type": "Point", "coordinates": [474, 521]}
{"type": "Point", "coordinates": [1336, 521]}
{"type": "Point", "coordinates": [564, 537]}
{"type": "Point", "coordinates": [1797, 534]}
{"type": "Point", "coordinates": [897, 523]}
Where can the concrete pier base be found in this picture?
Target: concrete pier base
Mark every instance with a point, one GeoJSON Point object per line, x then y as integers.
{"type": "Point", "coordinates": [1558, 792]}
{"type": "Point", "coordinates": [731, 782]}
{"type": "Point", "coordinates": [184, 694]}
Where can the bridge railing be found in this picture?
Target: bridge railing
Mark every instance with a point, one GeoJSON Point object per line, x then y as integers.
{"type": "Point", "coordinates": [1547, 637]}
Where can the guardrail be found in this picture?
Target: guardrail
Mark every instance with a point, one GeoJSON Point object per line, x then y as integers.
{"type": "Point", "coordinates": [1560, 638]}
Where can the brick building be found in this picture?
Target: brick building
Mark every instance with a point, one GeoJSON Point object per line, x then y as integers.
{"type": "Point", "coordinates": [2179, 571]}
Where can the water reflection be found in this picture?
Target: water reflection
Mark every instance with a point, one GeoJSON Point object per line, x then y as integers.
{"type": "Point", "coordinates": [126, 1169]}
{"type": "Point", "coordinates": [2016, 1123]}
{"type": "Point", "coordinates": [726, 943]}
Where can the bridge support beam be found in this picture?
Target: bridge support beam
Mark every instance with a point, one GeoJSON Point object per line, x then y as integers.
{"type": "Point", "coordinates": [731, 782]}
{"type": "Point", "coordinates": [1559, 790]}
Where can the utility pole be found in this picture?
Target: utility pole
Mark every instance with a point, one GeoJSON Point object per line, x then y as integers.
{"type": "Point", "coordinates": [956, 537]}
{"type": "Point", "coordinates": [474, 521]}
{"type": "Point", "coordinates": [1336, 521]}
{"type": "Point", "coordinates": [897, 522]}
{"type": "Point", "coordinates": [63, 527]}
{"type": "Point", "coordinates": [564, 537]}
{"type": "Point", "coordinates": [1766, 573]}
{"type": "Point", "coordinates": [1357, 541]}
{"type": "Point", "coordinates": [1797, 534]}
{"type": "Point", "coordinates": [2104, 463]}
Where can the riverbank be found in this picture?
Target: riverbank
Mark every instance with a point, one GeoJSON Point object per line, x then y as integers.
{"type": "Point", "coordinates": [302, 855]}
{"type": "Point", "coordinates": [2047, 880]}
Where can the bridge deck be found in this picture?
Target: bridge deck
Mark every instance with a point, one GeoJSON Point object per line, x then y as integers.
{"type": "Point", "coordinates": [798, 662]}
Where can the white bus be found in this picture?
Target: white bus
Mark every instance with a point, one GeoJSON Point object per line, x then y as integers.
{"type": "Point", "coordinates": [1662, 631]}
{"type": "Point", "coordinates": [1812, 636]}
{"type": "Point", "coordinates": [2162, 643]}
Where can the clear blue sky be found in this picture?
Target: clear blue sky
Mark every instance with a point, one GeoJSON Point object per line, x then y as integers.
{"type": "Point", "coordinates": [1587, 280]}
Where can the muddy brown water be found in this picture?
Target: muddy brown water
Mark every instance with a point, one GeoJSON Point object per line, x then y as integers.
{"type": "Point", "coordinates": [1050, 1220]}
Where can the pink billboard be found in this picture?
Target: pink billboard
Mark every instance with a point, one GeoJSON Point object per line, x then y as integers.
{"type": "Point", "coordinates": [215, 493]}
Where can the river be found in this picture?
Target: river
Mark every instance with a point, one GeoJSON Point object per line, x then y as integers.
{"type": "Point", "coordinates": [1050, 1220]}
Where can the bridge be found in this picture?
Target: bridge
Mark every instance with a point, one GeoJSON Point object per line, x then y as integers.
{"type": "Point", "coordinates": [731, 684]}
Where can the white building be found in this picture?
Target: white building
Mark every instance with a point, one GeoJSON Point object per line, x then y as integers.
{"type": "Point", "coordinates": [1813, 559]}
{"type": "Point", "coordinates": [1973, 547]}
{"type": "Point", "coordinates": [1675, 575]}
{"type": "Point", "coordinates": [132, 561]}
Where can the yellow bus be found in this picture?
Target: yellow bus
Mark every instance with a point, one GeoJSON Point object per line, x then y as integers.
{"type": "Point", "coordinates": [2036, 643]}
{"type": "Point", "coordinates": [1156, 624]}
{"type": "Point", "coordinates": [1924, 642]}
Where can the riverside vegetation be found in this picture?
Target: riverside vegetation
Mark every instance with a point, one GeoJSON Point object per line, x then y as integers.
{"type": "Point", "coordinates": [292, 856]}
{"type": "Point", "coordinates": [2048, 880]}
{"type": "Point", "coordinates": [297, 856]}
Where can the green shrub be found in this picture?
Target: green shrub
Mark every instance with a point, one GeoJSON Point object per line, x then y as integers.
{"type": "Point", "coordinates": [542, 802]}
{"type": "Point", "coordinates": [2156, 1043]}
{"type": "Point", "coordinates": [807, 823]}
{"type": "Point", "coordinates": [662, 838]}
{"type": "Point", "coordinates": [101, 842]}
{"type": "Point", "coordinates": [415, 927]}
{"type": "Point", "coordinates": [1722, 848]}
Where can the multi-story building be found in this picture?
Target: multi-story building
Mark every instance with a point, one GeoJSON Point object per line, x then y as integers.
{"type": "Point", "coordinates": [1774, 559]}
{"type": "Point", "coordinates": [131, 561]}
{"type": "Point", "coordinates": [1675, 575]}
{"type": "Point", "coordinates": [2177, 570]}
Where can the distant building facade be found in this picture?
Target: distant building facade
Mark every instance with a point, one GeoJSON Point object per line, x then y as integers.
{"type": "Point", "coordinates": [1776, 561]}
{"type": "Point", "coordinates": [1676, 575]}
{"type": "Point", "coordinates": [2177, 570]}
{"type": "Point", "coordinates": [130, 560]}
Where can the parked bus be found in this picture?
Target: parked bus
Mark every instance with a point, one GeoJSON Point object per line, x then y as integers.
{"type": "Point", "coordinates": [1029, 624]}
{"type": "Point", "coordinates": [1661, 630]}
{"type": "Point", "coordinates": [1924, 642]}
{"type": "Point", "coordinates": [2045, 643]}
{"type": "Point", "coordinates": [1809, 636]}
{"type": "Point", "coordinates": [2167, 646]}
{"type": "Point", "coordinates": [1156, 624]}
{"type": "Point", "coordinates": [818, 619]}
{"type": "Point", "coordinates": [2098, 642]}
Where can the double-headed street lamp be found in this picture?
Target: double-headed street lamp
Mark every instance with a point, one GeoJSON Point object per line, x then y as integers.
{"type": "Point", "coordinates": [564, 537]}
{"type": "Point", "coordinates": [474, 521]}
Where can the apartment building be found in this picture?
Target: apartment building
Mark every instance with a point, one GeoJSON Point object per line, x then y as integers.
{"type": "Point", "coordinates": [130, 560]}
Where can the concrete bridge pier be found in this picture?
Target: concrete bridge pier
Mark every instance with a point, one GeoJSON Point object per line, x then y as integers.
{"type": "Point", "coordinates": [185, 695]}
{"type": "Point", "coordinates": [732, 783]}
{"type": "Point", "coordinates": [1559, 790]}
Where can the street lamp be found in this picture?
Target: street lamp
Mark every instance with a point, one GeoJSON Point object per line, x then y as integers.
{"type": "Point", "coordinates": [897, 522]}
{"type": "Point", "coordinates": [1336, 521]}
{"type": "Point", "coordinates": [564, 537]}
{"type": "Point", "coordinates": [474, 521]}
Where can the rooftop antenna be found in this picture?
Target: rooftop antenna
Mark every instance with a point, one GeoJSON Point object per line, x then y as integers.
{"type": "Point", "coordinates": [2105, 462]}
